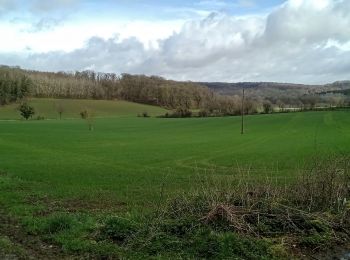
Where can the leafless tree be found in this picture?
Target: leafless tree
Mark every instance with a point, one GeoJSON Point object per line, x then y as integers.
{"type": "Point", "coordinates": [60, 108]}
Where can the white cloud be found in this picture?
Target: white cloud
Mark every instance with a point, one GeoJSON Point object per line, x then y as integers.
{"type": "Point", "coordinates": [300, 41]}
{"type": "Point", "coordinates": [71, 36]}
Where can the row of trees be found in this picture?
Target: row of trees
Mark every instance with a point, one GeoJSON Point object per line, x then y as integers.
{"type": "Point", "coordinates": [153, 90]}
{"type": "Point", "coordinates": [310, 102]}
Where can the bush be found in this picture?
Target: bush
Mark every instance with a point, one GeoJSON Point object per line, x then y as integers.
{"type": "Point", "coordinates": [118, 229]}
{"type": "Point", "coordinates": [183, 112]}
{"type": "Point", "coordinates": [311, 210]}
{"type": "Point", "coordinates": [178, 113]}
{"type": "Point", "coordinates": [26, 111]}
{"type": "Point", "coordinates": [84, 114]}
{"type": "Point", "coordinates": [58, 223]}
{"type": "Point", "coordinates": [203, 113]}
{"type": "Point", "coordinates": [145, 114]}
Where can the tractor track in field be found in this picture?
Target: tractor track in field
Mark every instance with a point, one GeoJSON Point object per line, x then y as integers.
{"type": "Point", "coordinates": [205, 164]}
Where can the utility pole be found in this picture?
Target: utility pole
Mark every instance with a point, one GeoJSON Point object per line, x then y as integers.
{"type": "Point", "coordinates": [242, 112]}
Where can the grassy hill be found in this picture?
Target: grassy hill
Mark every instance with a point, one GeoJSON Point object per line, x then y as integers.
{"type": "Point", "coordinates": [47, 108]}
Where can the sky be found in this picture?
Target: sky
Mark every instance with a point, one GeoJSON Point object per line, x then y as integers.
{"type": "Point", "coordinates": [297, 41]}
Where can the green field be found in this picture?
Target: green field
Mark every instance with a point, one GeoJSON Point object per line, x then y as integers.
{"type": "Point", "coordinates": [127, 159]}
{"type": "Point", "coordinates": [67, 186]}
{"type": "Point", "coordinates": [47, 108]}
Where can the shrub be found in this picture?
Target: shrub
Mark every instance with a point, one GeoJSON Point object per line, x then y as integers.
{"type": "Point", "coordinates": [84, 114]}
{"type": "Point", "coordinates": [26, 111]}
{"type": "Point", "coordinates": [203, 113]}
{"type": "Point", "coordinates": [311, 209]}
{"type": "Point", "coordinates": [178, 113]}
{"type": "Point", "coordinates": [118, 229]}
{"type": "Point", "coordinates": [58, 222]}
{"type": "Point", "coordinates": [145, 114]}
{"type": "Point", "coordinates": [182, 112]}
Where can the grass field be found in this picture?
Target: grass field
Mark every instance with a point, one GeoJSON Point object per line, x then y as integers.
{"type": "Point", "coordinates": [47, 108]}
{"type": "Point", "coordinates": [127, 160]}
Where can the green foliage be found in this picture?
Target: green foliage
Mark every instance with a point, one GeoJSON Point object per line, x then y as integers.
{"type": "Point", "coordinates": [179, 113]}
{"type": "Point", "coordinates": [58, 223]}
{"type": "Point", "coordinates": [316, 240]}
{"type": "Point", "coordinates": [14, 85]}
{"type": "Point", "coordinates": [26, 111]}
{"type": "Point", "coordinates": [10, 249]}
{"type": "Point", "coordinates": [40, 118]}
{"type": "Point", "coordinates": [118, 229]}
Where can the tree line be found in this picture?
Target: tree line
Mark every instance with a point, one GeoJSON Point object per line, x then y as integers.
{"type": "Point", "coordinates": [181, 97]}
{"type": "Point", "coordinates": [153, 90]}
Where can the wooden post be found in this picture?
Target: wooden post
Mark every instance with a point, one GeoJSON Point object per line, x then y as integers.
{"type": "Point", "coordinates": [242, 112]}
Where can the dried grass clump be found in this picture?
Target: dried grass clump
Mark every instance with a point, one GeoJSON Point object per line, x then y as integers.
{"type": "Point", "coordinates": [317, 201]}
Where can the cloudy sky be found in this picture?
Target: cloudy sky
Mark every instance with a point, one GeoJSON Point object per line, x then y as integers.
{"type": "Point", "coordinates": [300, 41]}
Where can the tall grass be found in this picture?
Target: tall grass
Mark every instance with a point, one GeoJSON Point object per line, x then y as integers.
{"type": "Point", "coordinates": [309, 212]}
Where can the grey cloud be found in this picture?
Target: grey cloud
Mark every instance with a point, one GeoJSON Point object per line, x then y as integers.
{"type": "Point", "coordinates": [98, 54]}
{"type": "Point", "coordinates": [290, 45]}
{"type": "Point", "coordinates": [309, 24]}
{"type": "Point", "coordinates": [46, 23]}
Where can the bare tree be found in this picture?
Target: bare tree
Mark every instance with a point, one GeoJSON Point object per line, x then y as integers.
{"type": "Point", "coordinates": [242, 111]}
{"type": "Point", "coordinates": [60, 108]}
{"type": "Point", "coordinates": [267, 106]}
{"type": "Point", "coordinates": [89, 116]}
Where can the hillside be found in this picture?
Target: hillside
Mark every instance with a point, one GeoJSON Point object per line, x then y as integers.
{"type": "Point", "coordinates": [71, 108]}
{"type": "Point", "coordinates": [274, 89]}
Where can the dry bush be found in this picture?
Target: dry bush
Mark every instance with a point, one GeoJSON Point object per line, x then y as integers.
{"type": "Point", "coordinates": [316, 201]}
{"type": "Point", "coordinates": [325, 185]}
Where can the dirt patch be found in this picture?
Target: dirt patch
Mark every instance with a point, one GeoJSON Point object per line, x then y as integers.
{"type": "Point", "coordinates": [51, 205]}
{"type": "Point", "coordinates": [93, 205]}
{"type": "Point", "coordinates": [24, 246]}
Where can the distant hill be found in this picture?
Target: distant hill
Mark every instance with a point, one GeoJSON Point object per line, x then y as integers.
{"type": "Point", "coordinates": [273, 89]}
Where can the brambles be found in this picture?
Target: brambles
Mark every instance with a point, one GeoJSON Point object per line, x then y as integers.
{"type": "Point", "coordinates": [244, 219]}
{"type": "Point", "coordinates": [312, 210]}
